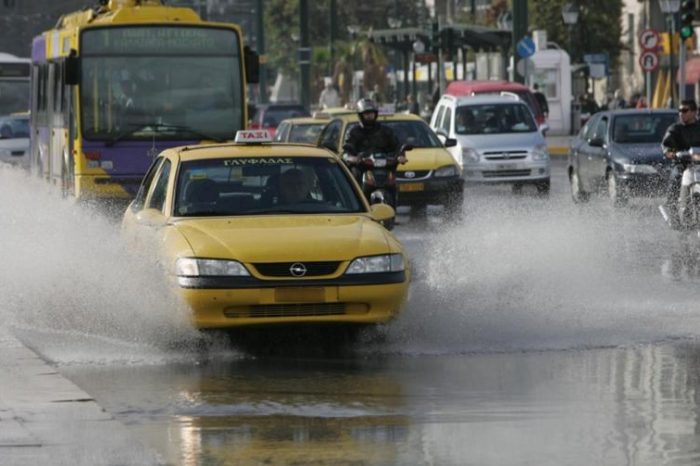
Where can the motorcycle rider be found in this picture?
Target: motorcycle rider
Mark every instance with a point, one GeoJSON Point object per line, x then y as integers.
{"type": "Point", "coordinates": [680, 136]}
{"type": "Point", "coordinates": [370, 136]}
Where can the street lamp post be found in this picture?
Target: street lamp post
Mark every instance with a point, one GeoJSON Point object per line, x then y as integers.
{"type": "Point", "coordinates": [395, 23]}
{"type": "Point", "coordinates": [569, 14]}
{"type": "Point", "coordinates": [670, 8]}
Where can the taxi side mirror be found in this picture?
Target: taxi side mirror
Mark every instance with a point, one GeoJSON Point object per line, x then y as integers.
{"type": "Point", "coordinates": [449, 142]}
{"type": "Point", "coordinates": [381, 212]}
{"type": "Point", "coordinates": [151, 218]}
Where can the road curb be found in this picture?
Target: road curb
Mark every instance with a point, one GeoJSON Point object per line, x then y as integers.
{"type": "Point", "coordinates": [558, 150]}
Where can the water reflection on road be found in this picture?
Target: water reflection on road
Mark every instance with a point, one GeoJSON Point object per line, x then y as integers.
{"type": "Point", "coordinates": [634, 405]}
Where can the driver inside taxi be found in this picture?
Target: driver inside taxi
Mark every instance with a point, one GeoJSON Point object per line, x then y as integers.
{"type": "Point", "coordinates": [294, 187]}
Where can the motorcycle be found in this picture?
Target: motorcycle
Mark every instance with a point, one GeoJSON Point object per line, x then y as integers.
{"type": "Point", "coordinates": [689, 199]}
{"type": "Point", "coordinates": [376, 173]}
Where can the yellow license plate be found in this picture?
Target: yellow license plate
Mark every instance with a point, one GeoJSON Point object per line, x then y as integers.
{"type": "Point", "coordinates": [411, 187]}
{"type": "Point", "coordinates": [300, 295]}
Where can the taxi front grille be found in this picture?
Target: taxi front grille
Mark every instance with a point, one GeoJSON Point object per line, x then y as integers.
{"type": "Point", "coordinates": [505, 173]}
{"type": "Point", "coordinates": [284, 269]}
{"type": "Point", "coordinates": [288, 310]}
{"type": "Point", "coordinates": [416, 174]}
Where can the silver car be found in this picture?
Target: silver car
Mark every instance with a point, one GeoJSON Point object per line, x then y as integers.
{"type": "Point", "coordinates": [14, 140]}
{"type": "Point", "coordinates": [498, 140]}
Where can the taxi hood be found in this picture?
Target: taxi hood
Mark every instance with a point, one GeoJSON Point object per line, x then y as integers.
{"type": "Point", "coordinates": [284, 238]}
{"type": "Point", "coordinates": [426, 158]}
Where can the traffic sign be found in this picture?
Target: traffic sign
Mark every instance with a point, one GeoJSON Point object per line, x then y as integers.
{"type": "Point", "coordinates": [649, 39]}
{"type": "Point", "coordinates": [525, 47]}
{"type": "Point", "coordinates": [649, 61]}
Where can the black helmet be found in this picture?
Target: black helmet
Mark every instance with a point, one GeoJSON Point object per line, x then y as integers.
{"type": "Point", "coordinates": [366, 106]}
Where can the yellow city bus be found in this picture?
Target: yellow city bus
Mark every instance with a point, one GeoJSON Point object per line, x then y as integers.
{"type": "Point", "coordinates": [114, 85]}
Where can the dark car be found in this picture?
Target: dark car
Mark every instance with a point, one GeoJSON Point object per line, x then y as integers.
{"type": "Point", "coordinates": [269, 116]}
{"type": "Point", "coordinates": [619, 153]}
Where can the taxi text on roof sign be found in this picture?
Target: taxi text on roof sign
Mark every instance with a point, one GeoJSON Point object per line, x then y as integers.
{"type": "Point", "coordinates": [253, 136]}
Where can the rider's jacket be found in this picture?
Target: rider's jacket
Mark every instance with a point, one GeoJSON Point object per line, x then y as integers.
{"type": "Point", "coordinates": [681, 137]}
{"type": "Point", "coordinates": [371, 139]}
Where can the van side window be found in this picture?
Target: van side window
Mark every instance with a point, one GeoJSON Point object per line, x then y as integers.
{"type": "Point", "coordinates": [447, 122]}
{"type": "Point", "coordinates": [438, 119]}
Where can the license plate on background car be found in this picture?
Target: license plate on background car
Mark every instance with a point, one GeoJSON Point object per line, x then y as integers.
{"type": "Point", "coordinates": [411, 187]}
{"type": "Point", "coordinates": [506, 166]}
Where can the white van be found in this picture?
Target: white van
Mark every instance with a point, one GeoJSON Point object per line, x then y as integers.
{"type": "Point", "coordinates": [498, 140]}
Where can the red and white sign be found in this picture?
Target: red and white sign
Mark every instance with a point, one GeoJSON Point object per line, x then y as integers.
{"type": "Point", "coordinates": [253, 135]}
{"type": "Point", "coordinates": [649, 61]}
{"type": "Point", "coordinates": [649, 39]}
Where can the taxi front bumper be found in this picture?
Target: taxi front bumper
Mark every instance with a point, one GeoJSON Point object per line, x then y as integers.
{"type": "Point", "coordinates": [219, 302]}
{"type": "Point", "coordinates": [430, 190]}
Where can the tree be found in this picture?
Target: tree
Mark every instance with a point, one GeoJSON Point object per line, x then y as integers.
{"type": "Point", "coordinates": [598, 29]}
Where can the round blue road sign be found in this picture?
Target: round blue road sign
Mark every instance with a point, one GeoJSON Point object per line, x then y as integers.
{"type": "Point", "coordinates": [525, 47]}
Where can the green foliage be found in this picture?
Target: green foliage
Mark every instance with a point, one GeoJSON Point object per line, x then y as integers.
{"type": "Point", "coordinates": [598, 30]}
{"type": "Point", "coordinates": [282, 24]}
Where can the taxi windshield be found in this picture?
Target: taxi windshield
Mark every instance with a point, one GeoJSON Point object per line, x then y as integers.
{"type": "Point", "coordinates": [264, 186]}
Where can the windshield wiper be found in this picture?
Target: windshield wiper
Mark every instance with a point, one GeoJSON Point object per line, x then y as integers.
{"type": "Point", "coordinates": [139, 126]}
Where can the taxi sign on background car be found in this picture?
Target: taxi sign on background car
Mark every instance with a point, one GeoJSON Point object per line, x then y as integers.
{"type": "Point", "coordinates": [249, 136]}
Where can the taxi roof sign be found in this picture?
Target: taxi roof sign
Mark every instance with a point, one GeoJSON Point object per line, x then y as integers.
{"type": "Point", "coordinates": [253, 136]}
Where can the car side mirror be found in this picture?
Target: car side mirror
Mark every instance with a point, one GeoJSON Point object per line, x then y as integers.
{"type": "Point", "coordinates": [151, 218]}
{"type": "Point", "coordinates": [405, 148]}
{"type": "Point", "coordinates": [544, 127]}
{"type": "Point", "coordinates": [450, 142]}
{"type": "Point", "coordinates": [596, 142]}
{"type": "Point", "coordinates": [381, 212]}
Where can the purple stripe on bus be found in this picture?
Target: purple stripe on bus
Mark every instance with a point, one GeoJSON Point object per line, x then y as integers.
{"type": "Point", "coordinates": [39, 49]}
{"type": "Point", "coordinates": [129, 157]}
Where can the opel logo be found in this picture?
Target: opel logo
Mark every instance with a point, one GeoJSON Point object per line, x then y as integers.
{"type": "Point", "coordinates": [506, 155]}
{"type": "Point", "coordinates": [410, 174]}
{"type": "Point", "coordinates": [297, 269]}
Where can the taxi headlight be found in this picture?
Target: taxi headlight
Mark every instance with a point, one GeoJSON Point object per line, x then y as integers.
{"type": "Point", "coordinates": [193, 267]}
{"type": "Point", "coordinates": [639, 168]}
{"type": "Point", "coordinates": [376, 264]}
{"type": "Point", "coordinates": [540, 153]}
{"type": "Point", "coordinates": [449, 170]}
{"type": "Point", "coordinates": [470, 156]}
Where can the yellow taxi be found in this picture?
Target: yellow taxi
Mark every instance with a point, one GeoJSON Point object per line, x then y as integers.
{"type": "Point", "coordinates": [431, 175]}
{"type": "Point", "coordinates": [256, 233]}
{"type": "Point", "coordinates": [302, 130]}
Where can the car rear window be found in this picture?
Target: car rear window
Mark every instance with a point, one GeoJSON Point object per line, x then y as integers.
{"type": "Point", "coordinates": [641, 128]}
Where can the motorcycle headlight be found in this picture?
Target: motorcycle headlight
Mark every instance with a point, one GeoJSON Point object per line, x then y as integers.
{"type": "Point", "coordinates": [639, 168]}
{"type": "Point", "coordinates": [470, 156]}
{"type": "Point", "coordinates": [540, 153]}
{"type": "Point", "coordinates": [376, 264]}
{"type": "Point", "coordinates": [193, 267]}
{"type": "Point", "coordinates": [450, 170]}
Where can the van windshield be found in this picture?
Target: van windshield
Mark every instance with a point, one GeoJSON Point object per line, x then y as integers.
{"type": "Point", "coordinates": [494, 118]}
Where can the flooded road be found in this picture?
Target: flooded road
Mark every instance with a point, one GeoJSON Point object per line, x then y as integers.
{"type": "Point", "coordinates": [536, 332]}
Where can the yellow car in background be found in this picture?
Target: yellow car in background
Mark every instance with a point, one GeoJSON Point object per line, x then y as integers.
{"type": "Point", "coordinates": [259, 234]}
{"type": "Point", "coordinates": [431, 175]}
{"type": "Point", "coordinates": [303, 130]}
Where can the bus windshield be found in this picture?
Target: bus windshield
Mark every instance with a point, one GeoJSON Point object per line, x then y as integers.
{"type": "Point", "coordinates": [160, 82]}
